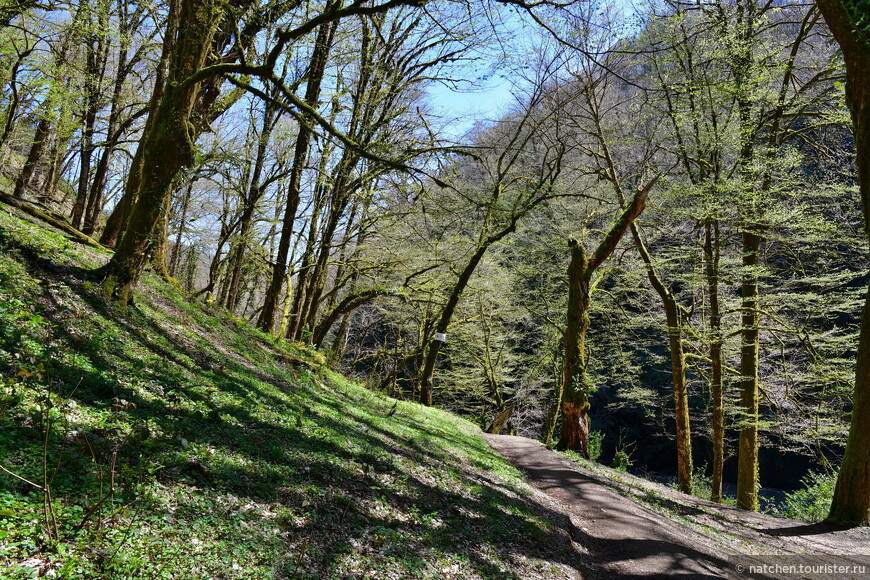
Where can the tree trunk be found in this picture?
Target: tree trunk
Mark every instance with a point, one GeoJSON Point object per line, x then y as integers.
{"type": "Point", "coordinates": [317, 67]}
{"type": "Point", "coordinates": [113, 135]}
{"type": "Point", "coordinates": [851, 504]}
{"type": "Point", "coordinates": [575, 383]}
{"type": "Point", "coordinates": [311, 283]}
{"type": "Point", "coordinates": [14, 99]}
{"type": "Point", "coordinates": [121, 212]}
{"type": "Point", "coordinates": [97, 51]}
{"type": "Point", "coordinates": [48, 187]}
{"type": "Point", "coordinates": [553, 412]}
{"type": "Point", "coordinates": [255, 192]}
{"type": "Point", "coordinates": [673, 319]}
{"type": "Point", "coordinates": [40, 139]}
{"type": "Point", "coordinates": [167, 146]}
{"type": "Point", "coordinates": [681, 395]}
{"type": "Point", "coordinates": [711, 261]}
{"type": "Point", "coordinates": [179, 236]}
{"type": "Point", "coordinates": [444, 322]}
{"type": "Point", "coordinates": [44, 127]}
{"type": "Point", "coordinates": [747, 453]}
{"type": "Point", "coordinates": [160, 237]}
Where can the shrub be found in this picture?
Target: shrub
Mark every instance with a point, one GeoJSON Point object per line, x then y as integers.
{"type": "Point", "coordinates": [810, 503]}
{"type": "Point", "coordinates": [595, 440]}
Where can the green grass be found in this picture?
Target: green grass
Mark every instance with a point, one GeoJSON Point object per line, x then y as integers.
{"type": "Point", "coordinates": [177, 442]}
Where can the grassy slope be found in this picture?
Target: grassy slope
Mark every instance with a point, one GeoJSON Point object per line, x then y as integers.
{"type": "Point", "coordinates": [226, 461]}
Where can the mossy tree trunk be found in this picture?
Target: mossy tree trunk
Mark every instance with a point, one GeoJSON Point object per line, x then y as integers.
{"type": "Point", "coordinates": [167, 146]}
{"type": "Point", "coordinates": [742, 61]}
{"type": "Point", "coordinates": [674, 320]}
{"type": "Point", "coordinates": [121, 212]}
{"type": "Point", "coordinates": [747, 452]}
{"type": "Point", "coordinates": [576, 387]}
{"type": "Point", "coordinates": [851, 503]}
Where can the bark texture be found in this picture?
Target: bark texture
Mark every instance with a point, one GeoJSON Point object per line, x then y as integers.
{"type": "Point", "coordinates": [711, 267]}
{"type": "Point", "coordinates": [674, 319]}
{"type": "Point", "coordinates": [316, 69]}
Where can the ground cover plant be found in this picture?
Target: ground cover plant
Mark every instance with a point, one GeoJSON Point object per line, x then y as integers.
{"type": "Point", "coordinates": [170, 440]}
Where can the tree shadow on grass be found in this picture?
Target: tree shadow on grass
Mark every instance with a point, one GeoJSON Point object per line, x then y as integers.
{"type": "Point", "coordinates": [312, 468]}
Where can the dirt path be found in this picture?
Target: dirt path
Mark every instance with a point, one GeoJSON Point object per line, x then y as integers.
{"type": "Point", "coordinates": [672, 534]}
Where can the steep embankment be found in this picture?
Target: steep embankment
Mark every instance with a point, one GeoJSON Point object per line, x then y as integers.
{"type": "Point", "coordinates": [176, 442]}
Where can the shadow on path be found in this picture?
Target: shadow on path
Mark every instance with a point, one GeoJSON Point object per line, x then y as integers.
{"type": "Point", "coordinates": [626, 539]}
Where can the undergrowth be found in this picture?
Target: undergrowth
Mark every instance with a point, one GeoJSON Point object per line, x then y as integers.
{"type": "Point", "coordinates": [810, 503]}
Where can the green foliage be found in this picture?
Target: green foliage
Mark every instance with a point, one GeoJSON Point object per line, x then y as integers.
{"type": "Point", "coordinates": [621, 459]}
{"type": "Point", "coordinates": [859, 14]}
{"type": "Point", "coordinates": [596, 438]}
{"type": "Point", "coordinates": [810, 503]}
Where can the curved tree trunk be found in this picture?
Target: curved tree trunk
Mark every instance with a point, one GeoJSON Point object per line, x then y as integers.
{"type": "Point", "coordinates": [678, 365]}
{"type": "Point", "coordinates": [575, 383]}
{"type": "Point", "coordinates": [444, 322]}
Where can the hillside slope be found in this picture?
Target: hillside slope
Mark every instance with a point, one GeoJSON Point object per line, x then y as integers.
{"type": "Point", "coordinates": [173, 441]}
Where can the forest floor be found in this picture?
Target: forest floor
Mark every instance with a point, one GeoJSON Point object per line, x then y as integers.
{"type": "Point", "coordinates": [632, 527]}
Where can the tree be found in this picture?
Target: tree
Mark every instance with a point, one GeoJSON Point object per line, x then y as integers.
{"type": "Point", "coordinates": [167, 144]}
{"type": "Point", "coordinates": [196, 36]}
{"type": "Point", "coordinates": [316, 72]}
{"type": "Point", "coordinates": [849, 22]}
{"type": "Point", "coordinates": [14, 8]}
{"type": "Point", "coordinates": [519, 168]}
{"type": "Point", "coordinates": [576, 387]}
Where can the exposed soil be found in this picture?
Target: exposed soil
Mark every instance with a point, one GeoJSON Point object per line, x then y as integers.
{"type": "Point", "coordinates": [665, 533]}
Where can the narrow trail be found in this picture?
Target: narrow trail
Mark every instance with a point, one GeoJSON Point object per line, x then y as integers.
{"type": "Point", "coordinates": [673, 534]}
